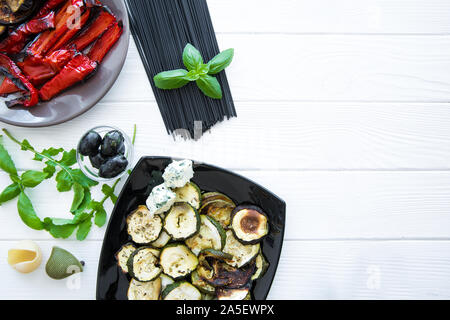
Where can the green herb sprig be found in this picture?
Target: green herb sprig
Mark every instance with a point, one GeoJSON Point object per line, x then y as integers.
{"type": "Point", "coordinates": [196, 71]}
{"type": "Point", "coordinates": [68, 178]}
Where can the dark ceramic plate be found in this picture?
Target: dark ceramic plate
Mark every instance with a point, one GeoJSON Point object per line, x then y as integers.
{"type": "Point", "coordinates": [82, 97]}
{"type": "Point", "coordinates": [112, 284]}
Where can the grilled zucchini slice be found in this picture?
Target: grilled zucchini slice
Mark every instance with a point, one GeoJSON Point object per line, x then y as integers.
{"type": "Point", "coordinates": [162, 241]}
{"type": "Point", "coordinates": [190, 193]}
{"type": "Point", "coordinates": [201, 285]}
{"type": "Point", "coordinates": [211, 235]}
{"type": "Point", "coordinates": [165, 281]}
{"type": "Point", "coordinates": [123, 255]}
{"type": "Point", "coordinates": [220, 210]}
{"type": "Point", "coordinates": [212, 196]}
{"type": "Point", "coordinates": [144, 290]}
{"type": "Point", "coordinates": [143, 227]}
{"type": "Point", "coordinates": [242, 254]}
{"type": "Point", "coordinates": [233, 294]}
{"type": "Point", "coordinates": [143, 264]}
{"type": "Point", "coordinates": [177, 261]}
{"type": "Point", "coordinates": [181, 291]}
{"type": "Point", "coordinates": [249, 224]}
{"type": "Point", "coordinates": [182, 221]}
{"type": "Point", "coordinates": [261, 266]}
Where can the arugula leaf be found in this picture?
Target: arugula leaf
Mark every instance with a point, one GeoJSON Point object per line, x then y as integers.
{"type": "Point", "coordinates": [83, 229]}
{"type": "Point", "coordinates": [84, 203]}
{"type": "Point", "coordinates": [64, 181]}
{"type": "Point", "coordinates": [51, 152]}
{"type": "Point", "coordinates": [69, 158]}
{"type": "Point", "coordinates": [58, 229]}
{"type": "Point", "coordinates": [109, 192]}
{"type": "Point", "coordinates": [78, 198]}
{"type": "Point", "coordinates": [210, 86]}
{"type": "Point", "coordinates": [31, 178]}
{"type": "Point", "coordinates": [11, 192]}
{"type": "Point", "coordinates": [221, 61]}
{"type": "Point", "coordinates": [50, 170]}
{"type": "Point", "coordinates": [100, 218]}
{"type": "Point", "coordinates": [27, 213]}
{"type": "Point", "coordinates": [192, 58]}
{"type": "Point", "coordinates": [6, 163]}
{"type": "Point", "coordinates": [173, 79]}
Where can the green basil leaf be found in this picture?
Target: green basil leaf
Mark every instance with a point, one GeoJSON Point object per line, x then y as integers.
{"type": "Point", "coordinates": [192, 76]}
{"type": "Point", "coordinates": [64, 181]}
{"type": "Point", "coordinates": [58, 229]}
{"type": "Point", "coordinates": [10, 193]}
{"type": "Point", "coordinates": [221, 61]}
{"type": "Point", "coordinates": [31, 178]}
{"type": "Point", "coordinates": [6, 163]}
{"type": "Point", "coordinates": [210, 86]}
{"type": "Point", "coordinates": [173, 79]}
{"type": "Point", "coordinates": [78, 197]}
{"type": "Point", "coordinates": [69, 158]}
{"type": "Point", "coordinates": [192, 58]}
{"type": "Point", "coordinates": [83, 229]}
{"type": "Point", "coordinates": [27, 213]}
{"type": "Point", "coordinates": [100, 218]}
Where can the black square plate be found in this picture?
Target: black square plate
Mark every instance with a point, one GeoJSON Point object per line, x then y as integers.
{"type": "Point", "coordinates": [112, 284]}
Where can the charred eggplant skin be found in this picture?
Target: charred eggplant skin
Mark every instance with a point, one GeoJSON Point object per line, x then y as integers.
{"type": "Point", "coordinates": [250, 208]}
{"type": "Point", "coordinates": [24, 9]}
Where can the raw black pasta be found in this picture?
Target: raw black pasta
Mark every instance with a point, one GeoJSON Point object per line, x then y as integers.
{"type": "Point", "coordinates": [161, 29]}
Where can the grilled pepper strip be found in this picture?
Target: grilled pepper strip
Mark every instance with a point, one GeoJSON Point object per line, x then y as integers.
{"type": "Point", "coordinates": [98, 26]}
{"type": "Point", "coordinates": [75, 71]}
{"type": "Point", "coordinates": [7, 87]}
{"type": "Point", "coordinates": [106, 41]}
{"type": "Point", "coordinates": [49, 6]}
{"type": "Point", "coordinates": [9, 69]}
{"type": "Point", "coordinates": [48, 38]}
{"type": "Point", "coordinates": [17, 39]}
{"type": "Point", "coordinates": [40, 70]}
{"type": "Point", "coordinates": [71, 32]}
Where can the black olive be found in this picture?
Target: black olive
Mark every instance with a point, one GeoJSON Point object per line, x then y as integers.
{"type": "Point", "coordinates": [112, 143]}
{"type": "Point", "coordinates": [113, 167]}
{"type": "Point", "coordinates": [98, 160]}
{"type": "Point", "coordinates": [121, 149]}
{"type": "Point", "coordinates": [90, 143]}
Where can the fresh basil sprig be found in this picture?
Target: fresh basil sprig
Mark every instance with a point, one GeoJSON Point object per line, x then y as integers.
{"type": "Point", "coordinates": [67, 178]}
{"type": "Point", "coordinates": [196, 71]}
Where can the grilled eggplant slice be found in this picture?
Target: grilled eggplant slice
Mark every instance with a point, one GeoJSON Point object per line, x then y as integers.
{"type": "Point", "coordinates": [242, 254]}
{"type": "Point", "coordinates": [177, 261]}
{"type": "Point", "coordinates": [190, 193]}
{"type": "Point", "coordinates": [261, 266]}
{"type": "Point", "coordinates": [144, 290]}
{"type": "Point", "coordinates": [143, 265]}
{"type": "Point", "coordinates": [123, 255]}
{"type": "Point", "coordinates": [249, 224]}
{"type": "Point", "coordinates": [182, 221]}
{"type": "Point", "coordinates": [181, 291]}
{"type": "Point", "coordinates": [234, 294]}
{"type": "Point", "coordinates": [16, 11]}
{"type": "Point", "coordinates": [211, 235]}
{"type": "Point", "coordinates": [201, 284]}
{"type": "Point", "coordinates": [162, 241]}
{"type": "Point", "coordinates": [143, 227]}
{"type": "Point", "coordinates": [220, 210]}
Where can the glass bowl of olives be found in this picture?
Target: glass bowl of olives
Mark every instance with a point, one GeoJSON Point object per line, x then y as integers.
{"type": "Point", "coordinates": [105, 153]}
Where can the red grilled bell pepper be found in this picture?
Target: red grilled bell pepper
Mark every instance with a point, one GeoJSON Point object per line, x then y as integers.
{"type": "Point", "coordinates": [17, 39]}
{"type": "Point", "coordinates": [49, 6]}
{"type": "Point", "coordinates": [71, 32]}
{"type": "Point", "coordinates": [39, 70]}
{"type": "Point", "coordinates": [75, 71]}
{"type": "Point", "coordinates": [47, 39]}
{"type": "Point", "coordinates": [9, 69]}
{"type": "Point", "coordinates": [7, 87]}
{"type": "Point", "coordinates": [95, 29]}
{"type": "Point", "coordinates": [106, 41]}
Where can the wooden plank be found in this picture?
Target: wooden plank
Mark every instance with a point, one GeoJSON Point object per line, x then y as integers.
{"type": "Point", "coordinates": [330, 16]}
{"type": "Point", "coordinates": [280, 136]}
{"type": "Point", "coordinates": [320, 205]}
{"type": "Point", "coordinates": [320, 68]}
{"type": "Point", "coordinates": [307, 270]}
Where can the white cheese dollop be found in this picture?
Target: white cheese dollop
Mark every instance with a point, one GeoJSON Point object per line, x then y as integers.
{"type": "Point", "coordinates": [178, 173]}
{"type": "Point", "coordinates": [161, 199]}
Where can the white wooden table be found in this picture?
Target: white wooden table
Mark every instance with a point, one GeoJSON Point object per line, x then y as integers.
{"type": "Point", "coordinates": [343, 111]}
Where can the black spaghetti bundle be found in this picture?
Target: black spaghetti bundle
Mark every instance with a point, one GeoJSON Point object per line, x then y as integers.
{"type": "Point", "coordinates": [161, 30]}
